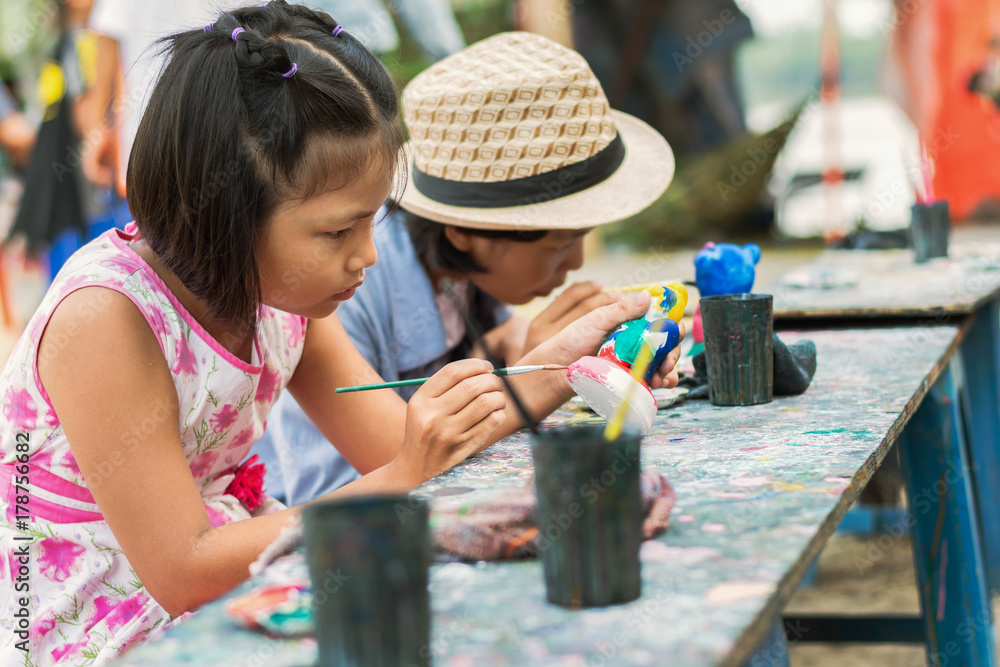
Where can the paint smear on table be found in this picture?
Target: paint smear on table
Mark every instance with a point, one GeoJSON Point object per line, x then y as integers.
{"type": "Point", "coordinates": [760, 480]}
{"type": "Point", "coordinates": [732, 591]}
{"type": "Point", "coordinates": [657, 550]}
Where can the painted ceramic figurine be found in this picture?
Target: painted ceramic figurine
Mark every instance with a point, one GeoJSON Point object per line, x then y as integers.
{"type": "Point", "coordinates": [722, 268]}
{"type": "Point", "coordinates": [605, 380]}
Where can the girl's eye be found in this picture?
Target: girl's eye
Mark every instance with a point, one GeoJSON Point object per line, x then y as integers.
{"type": "Point", "coordinates": [339, 234]}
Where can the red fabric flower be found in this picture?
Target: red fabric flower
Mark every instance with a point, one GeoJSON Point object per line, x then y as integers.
{"type": "Point", "coordinates": [248, 485]}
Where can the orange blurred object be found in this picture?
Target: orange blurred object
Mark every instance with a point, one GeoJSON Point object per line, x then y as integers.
{"type": "Point", "coordinates": [937, 46]}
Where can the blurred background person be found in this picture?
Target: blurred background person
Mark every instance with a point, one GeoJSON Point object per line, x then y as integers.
{"type": "Point", "coordinates": [17, 134]}
{"type": "Point", "coordinates": [128, 64]}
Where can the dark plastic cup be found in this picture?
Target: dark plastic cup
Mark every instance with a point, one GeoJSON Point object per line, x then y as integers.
{"type": "Point", "coordinates": [589, 515]}
{"type": "Point", "coordinates": [368, 562]}
{"type": "Point", "coordinates": [739, 348]}
{"type": "Point", "coordinates": [930, 228]}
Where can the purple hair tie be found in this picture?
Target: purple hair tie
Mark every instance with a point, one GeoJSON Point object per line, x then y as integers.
{"type": "Point", "coordinates": [237, 31]}
{"type": "Point", "coordinates": [337, 30]}
{"type": "Point", "coordinates": [290, 72]}
{"type": "Point", "coordinates": [210, 26]}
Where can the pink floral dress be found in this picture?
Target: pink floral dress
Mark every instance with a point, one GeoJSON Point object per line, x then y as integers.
{"type": "Point", "coordinates": [58, 557]}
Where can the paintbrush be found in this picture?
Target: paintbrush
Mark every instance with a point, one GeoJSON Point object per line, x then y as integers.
{"type": "Point", "coordinates": [502, 372]}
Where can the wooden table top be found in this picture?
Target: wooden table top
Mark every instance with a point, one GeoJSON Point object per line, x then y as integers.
{"type": "Point", "coordinates": [888, 283]}
{"type": "Point", "coordinates": [759, 491]}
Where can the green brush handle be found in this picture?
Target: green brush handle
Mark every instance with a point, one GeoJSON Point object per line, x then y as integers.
{"type": "Point", "coordinates": [403, 383]}
{"type": "Point", "coordinates": [381, 385]}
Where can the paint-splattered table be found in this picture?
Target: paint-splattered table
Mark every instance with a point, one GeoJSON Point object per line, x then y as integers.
{"type": "Point", "coordinates": [889, 283]}
{"type": "Point", "coordinates": [759, 491]}
{"type": "Point", "coordinates": [887, 288]}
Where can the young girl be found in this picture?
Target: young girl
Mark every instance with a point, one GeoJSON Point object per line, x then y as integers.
{"type": "Point", "coordinates": [148, 370]}
{"type": "Point", "coordinates": [403, 320]}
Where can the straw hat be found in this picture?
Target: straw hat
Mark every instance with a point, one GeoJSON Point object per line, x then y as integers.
{"type": "Point", "coordinates": [515, 132]}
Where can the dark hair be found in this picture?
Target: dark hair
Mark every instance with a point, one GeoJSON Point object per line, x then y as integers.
{"type": "Point", "coordinates": [226, 137]}
{"type": "Point", "coordinates": [433, 247]}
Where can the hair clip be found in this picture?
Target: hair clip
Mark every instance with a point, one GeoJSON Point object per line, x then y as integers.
{"type": "Point", "coordinates": [337, 30]}
{"type": "Point", "coordinates": [237, 31]}
{"type": "Point", "coordinates": [290, 72]}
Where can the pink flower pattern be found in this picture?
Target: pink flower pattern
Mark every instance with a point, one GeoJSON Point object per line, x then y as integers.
{"type": "Point", "coordinates": [42, 627]}
{"type": "Point", "coordinates": [71, 284]}
{"type": "Point", "coordinates": [126, 610]}
{"type": "Point", "coordinates": [58, 558]}
{"type": "Point", "coordinates": [202, 465]}
{"type": "Point", "coordinates": [68, 461]}
{"type": "Point", "coordinates": [268, 385]}
{"type": "Point", "coordinates": [19, 409]}
{"type": "Point", "coordinates": [187, 362]}
{"type": "Point", "coordinates": [86, 599]}
{"type": "Point", "coordinates": [243, 438]}
{"type": "Point", "coordinates": [103, 605]}
{"type": "Point", "coordinates": [224, 418]}
{"type": "Point", "coordinates": [68, 650]}
{"type": "Point", "coordinates": [216, 517]}
{"type": "Point", "coordinates": [294, 329]}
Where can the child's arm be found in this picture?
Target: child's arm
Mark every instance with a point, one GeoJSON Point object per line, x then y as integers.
{"type": "Point", "coordinates": [330, 360]}
{"type": "Point", "coordinates": [99, 159]}
{"type": "Point", "coordinates": [110, 385]}
{"type": "Point", "coordinates": [371, 428]}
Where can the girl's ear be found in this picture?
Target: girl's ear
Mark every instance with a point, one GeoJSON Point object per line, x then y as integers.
{"type": "Point", "coordinates": [458, 237]}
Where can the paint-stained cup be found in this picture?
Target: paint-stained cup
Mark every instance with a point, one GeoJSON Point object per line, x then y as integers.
{"type": "Point", "coordinates": [368, 563]}
{"type": "Point", "coordinates": [589, 515]}
{"type": "Point", "coordinates": [930, 228]}
{"type": "Point", "coordinates": [739, 348]}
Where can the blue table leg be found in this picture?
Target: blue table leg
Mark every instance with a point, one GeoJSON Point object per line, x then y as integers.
{"type": "Point", "coordinates": [946, 540]}
{"type": "Point", "coordinates": [981, 357]}
{"type": "Point", "coordinates": [773, 651]}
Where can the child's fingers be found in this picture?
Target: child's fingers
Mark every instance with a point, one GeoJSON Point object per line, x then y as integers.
{"type": "Point", "coordinates": [477, 436]}
{"type": "Point", "coordinates": [669, 380]}
{"type": "Point", "coordinates": [569, 299]}
{"type": "Point", "coordinates": [453, 375]}
{"type": "Point", "coordinates": [609, 317]}
{"type": "Point", "coordinates": [469, 391]}
{"type": "Point", "coordinates": [481, 408]}
{"type": "Point", "coordinates": [590, 304]}
{"type": "Point", "coordinates": [666, 375]}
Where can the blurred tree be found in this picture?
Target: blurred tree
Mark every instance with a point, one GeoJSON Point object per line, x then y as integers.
{"type": "Point", "coordinates": [29, 30]}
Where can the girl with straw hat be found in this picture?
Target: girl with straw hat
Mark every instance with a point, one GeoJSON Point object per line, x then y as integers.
{"type": "Point", "coordinates": [514, 156]}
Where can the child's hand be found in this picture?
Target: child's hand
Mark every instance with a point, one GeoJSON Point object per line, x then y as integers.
{"type": "Point", "coordinates": [587, 334]}
{"type": "Point", "coordinates": [450, 418]}
{"type": "Point", "coordinates": [576, 301]}
{"type": "Point", "coordinates": [666, 375]}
